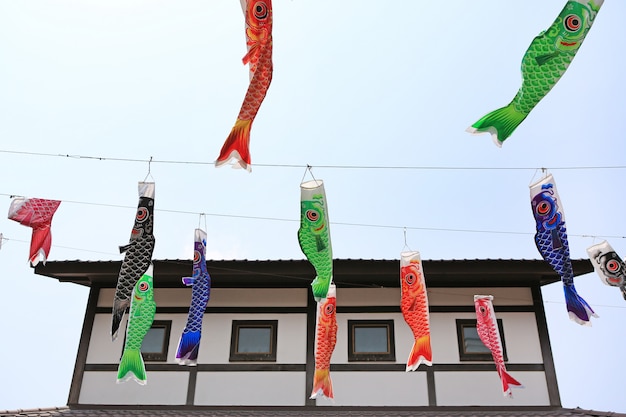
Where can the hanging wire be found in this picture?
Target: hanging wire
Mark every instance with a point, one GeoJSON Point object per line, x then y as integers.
{"type": "Point", "coordinates": [406, 246]}
{"type": "Point", "coordinates": [149, 174]}
{"type": "Point", "coordinates": [379, 226]}
{"type": "Point", "coordinates": [372, 167]}
{"type": "Point", "coordinates": [309, 169]}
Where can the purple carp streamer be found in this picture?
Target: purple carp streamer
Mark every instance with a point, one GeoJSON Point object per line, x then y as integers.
{"type": "Point", "coordinates": [551, 241]}
{"type": "Point", "coordinates": [200, 282]}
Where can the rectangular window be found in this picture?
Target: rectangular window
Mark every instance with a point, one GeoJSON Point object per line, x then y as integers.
{"type": "Point", "coordinates": [371, 340]}
{"type": "Point", "coordinates": [253, 340]}
{"type": "Point", "coordinates": [156, 342]}
{"type": "Point", "coordinates": [471, 348]}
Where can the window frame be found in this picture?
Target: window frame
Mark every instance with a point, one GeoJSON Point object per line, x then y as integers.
{"type": "Point", "coordinates": [236, 356]}
{"type": "Point", "coordinates": [469, 356]}
{"type": "Point", "coordinates": [156, 356]}
{"type": "Point", "coordinates": [388, 356]}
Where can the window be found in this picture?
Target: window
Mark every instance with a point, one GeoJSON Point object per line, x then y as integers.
{"type": "Point", "coordinates": [371, 340]}
{"type": "Point", "coordinates": [155, 343]}
{"type": "Point", "coordinates": [471, 348]}
{"type": "Point", "coordinates": [253, 340]}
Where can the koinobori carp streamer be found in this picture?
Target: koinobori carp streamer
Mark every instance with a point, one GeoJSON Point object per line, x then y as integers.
{"type": "Point", "coordinates": [36, 213]}
{"type": "Point", "coordinates": [487, 328]}
{"type": "Point", "coordinates": [138, 254]}
{"type": "Point", "coordinates": [551, 241]}
{"type": "Point", "coordinates": [543, 65]}
{"type": "Point", "coordinates": [314, 235]}
{"type": "Point", "coordinates": [200, 282]}
{"type": "Point", "coordinates": [414, 306]}
{"type": "Point", "coordinates": [258, 16]}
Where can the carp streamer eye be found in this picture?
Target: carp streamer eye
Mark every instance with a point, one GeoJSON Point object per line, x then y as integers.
{"type": "Point", "coordinates": [543, 208]}
{"type": "Point", "coordinates": [312, 215]}
{"type": "Point", "coordinates": [196, 256]}
{"type": "Point", "coordinates": [410, 278]}
{"type": "Point", "coordinates": [572, 23]}
{"type": "Point", "coordinates": [613, 266]}
{"type": "Point", "coordinates": [142, 214]}
{"type": "Point", "coordinates": [329, 309]}
{"type": "Point", "coordinates": [143, 286]}
{"type": "Point", "coordinates": [482, 310]}
{"type": "Point", "coordinates": [260, 10]}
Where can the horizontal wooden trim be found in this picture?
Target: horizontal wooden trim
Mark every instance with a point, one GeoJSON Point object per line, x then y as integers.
{"type": "Point", "coordinates": [207, 367]}
{"type": "Point", "coordinates": [463, 367]}
{"type": "Point", "coordinates": [452, 367]}
{"type": "Point", "coordinates": [255, 367]}
{"type": "Point", "coordinates": [340, 310]}
{"type": "Point", "coordinates": [220, 310]}
{"type": "Point", "coordinates": [338, 367]}
{"type": "Point", "coordinates": [163, 367]}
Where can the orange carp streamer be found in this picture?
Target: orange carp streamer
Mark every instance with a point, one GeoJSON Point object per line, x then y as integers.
{"type": "Point", "coordinates": [414, 306]}
{"type": "Point", "coordinates": [325, 340]}
{"type": "Point", "coordinates": [259, 40]}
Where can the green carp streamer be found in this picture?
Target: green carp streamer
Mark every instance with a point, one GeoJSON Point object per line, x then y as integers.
{"type": "Point", "coordinates": [543, 64]}
{"type": "Point", "coordinates": [140, 318]}
{"type": "Point", "coordinates": [314, 236]}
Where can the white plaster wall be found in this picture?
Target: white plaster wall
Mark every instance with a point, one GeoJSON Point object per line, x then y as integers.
{"type": "Point", "coordinates": [485, 389]}
{"type": "Point", "coordinates": [103, 350]}
{"type": "Point", "coordinates": [222, 297]}
{"type": "Point", "coordinates": [520, 334]}
{"type": "Point", "coordinates": [368, 296]}
{"type": "Point", "coordinates": [259, 297]}
{"type": "Point", "coordinates": [436, 296]}
{"type": "Point", "coordinates": [378, 389]}
{"type": "Point", "coordinates": [250, 388]}
{"type": "Point", "coordinates": [163, 388]}
{"type": "Point", "coordinates": [465, 296]}
{"type": "Point", "coordinates": [217, 329]}
{"type": "Point", "coordinates": [215, 342]}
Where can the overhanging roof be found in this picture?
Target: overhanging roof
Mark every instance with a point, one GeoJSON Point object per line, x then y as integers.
{"type": "Point", "coordinates": [299, 273]}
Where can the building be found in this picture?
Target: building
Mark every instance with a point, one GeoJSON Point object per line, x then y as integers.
{"type": "Point", "coordinates": [270, 303]}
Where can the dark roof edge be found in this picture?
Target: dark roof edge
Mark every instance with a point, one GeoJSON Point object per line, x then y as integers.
{"type": "Point", "coordinates": [357, 272]}
{"type": "Point", "coordinates": [138, 410]}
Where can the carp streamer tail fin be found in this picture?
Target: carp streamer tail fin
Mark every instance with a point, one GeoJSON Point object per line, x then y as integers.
{"type": "Point", "coordinates": [322, 384]}
{"type": "Point", "coordinates": [500, 123]}
{"type": "Point", "coordinates": [578, 309]}
{"type": "Point", "coordinates": [187, 353]}
{"type": "Point", "coordinates": [40, 243]}
{"type": "Point", "coordinates": [421, 352]}
{"type": "Point", "coordinates": [237, 146]}
{"type": "Point", "coordinates": [131, 366]}
{"type": "Point", "coordinates": [507, 382]}
{"type": "Point", "coordinates": [320, 287]}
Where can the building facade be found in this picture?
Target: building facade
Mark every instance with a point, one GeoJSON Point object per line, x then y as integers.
{"type": "Point", "coordinates": [258, 336]}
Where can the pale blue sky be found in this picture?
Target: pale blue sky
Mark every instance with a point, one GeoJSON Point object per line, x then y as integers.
{"type": "Point", "coordinates": [357, 83]}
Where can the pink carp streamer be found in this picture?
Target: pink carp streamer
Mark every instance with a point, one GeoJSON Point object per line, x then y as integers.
{"type": "Point", "coordinates": [36, 213]}
{"type": "Point", "coordinates": [487, 327]}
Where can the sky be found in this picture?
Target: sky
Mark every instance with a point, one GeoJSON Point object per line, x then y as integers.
{"type": "Point", "coordinates": [374, 96]}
